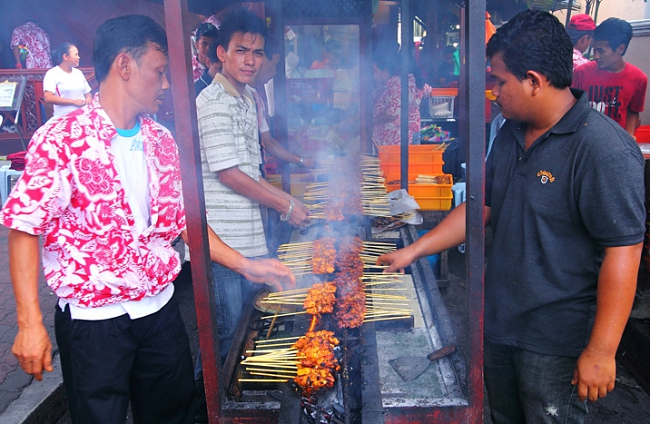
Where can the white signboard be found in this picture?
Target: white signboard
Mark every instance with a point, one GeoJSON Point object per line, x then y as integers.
{"type": "Point", "coordinates": [7, 92]}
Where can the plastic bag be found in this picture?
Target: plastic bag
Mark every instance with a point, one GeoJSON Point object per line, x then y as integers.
{"type": "Point", "coordinates": [403, 204]}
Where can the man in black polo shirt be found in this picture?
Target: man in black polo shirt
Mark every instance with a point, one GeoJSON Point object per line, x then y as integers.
{"type": "Point", "coordinates": [564, 196]}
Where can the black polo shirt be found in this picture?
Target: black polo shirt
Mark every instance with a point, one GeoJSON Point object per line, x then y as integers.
{"type": "Point", "coordinates": [577, 189]}
{"type": "Point", "coordinates": [202, 82]}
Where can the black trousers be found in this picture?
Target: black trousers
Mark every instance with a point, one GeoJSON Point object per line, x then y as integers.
{"type": "Point", "coordinates": [107, 363]}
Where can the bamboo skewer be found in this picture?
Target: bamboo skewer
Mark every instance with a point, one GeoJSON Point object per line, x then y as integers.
{"type": "Point", "coordinates": [382, 313]}
{"type": "Point", "coordinates": [385, 319]}
{"type": "Point", "coordinates": [277, 340]}
{"type": "Point", "coordinates": [378, 283]}
{"type": "Point", "coordinates": [285, 315]}
{"type": "Point", "coordinates": [271, 375]}
{"type": "Point", "coordinates": [275, 344]}
{"type": "Point", "coordinates": [305, 290]}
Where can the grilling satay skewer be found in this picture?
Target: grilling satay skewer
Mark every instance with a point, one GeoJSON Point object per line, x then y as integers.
{"type": "Point", "coordinates": [314, 362]}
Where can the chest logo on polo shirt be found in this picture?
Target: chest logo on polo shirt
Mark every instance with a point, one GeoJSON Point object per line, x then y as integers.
{"type": "Point", "coordinates": [545, 177]}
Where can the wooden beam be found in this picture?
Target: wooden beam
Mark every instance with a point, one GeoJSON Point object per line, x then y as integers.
{"type": "Point", "coordinates": [472, 133]}
{"type": "Point", "coordinates": [176, 21]}
{"type": "Point", "coordinates": [405, 55]}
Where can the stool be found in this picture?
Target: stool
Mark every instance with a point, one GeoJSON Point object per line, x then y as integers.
{"type": "Point", "coordinates": [5, 181]}
{"type": "Point", "coordinates": [459, 197]}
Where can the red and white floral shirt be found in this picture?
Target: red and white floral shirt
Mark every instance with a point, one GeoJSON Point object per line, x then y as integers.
{"type": "Point", "coordinates": [197, 69]}
{"type": "Point", "coordinates": [388, 100]}
{"type": "Point", "coordinates": [37, 42]}
{"type": "Point", "coordinates": [70, 193]}
{"type": "Point", "coordinates": [578, 58]}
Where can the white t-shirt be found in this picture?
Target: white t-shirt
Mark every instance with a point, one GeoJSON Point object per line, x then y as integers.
{"type": "Point", "coordinates": [131, 165]}
{"type": "Point", "coordinates": [71, 85]}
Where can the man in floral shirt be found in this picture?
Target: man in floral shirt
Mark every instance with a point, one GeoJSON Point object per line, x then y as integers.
{"type": "Point", "coordinates": [37, 43]}
{"type": "Point", "coordinates": [206, 34]}
{"type": "Point", "coordinates": [102, 187]}
{"type": "Point", "coordinates": [581, 31]}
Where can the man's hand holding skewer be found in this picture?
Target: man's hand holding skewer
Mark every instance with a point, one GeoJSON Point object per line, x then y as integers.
{"type": "Point", "coordinates": [398, 260]}
{"type": "Point", "coordinates": [269, 271]}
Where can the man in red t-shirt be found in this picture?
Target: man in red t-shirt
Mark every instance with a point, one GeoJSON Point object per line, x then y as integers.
{"type": "Point", "coordinates": [614, 87]}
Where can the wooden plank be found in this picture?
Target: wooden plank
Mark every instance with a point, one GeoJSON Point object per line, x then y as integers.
{"type": "Point", "coordinates": [472, 122]}
{"type": "Point", "coordinates": [176, 18]}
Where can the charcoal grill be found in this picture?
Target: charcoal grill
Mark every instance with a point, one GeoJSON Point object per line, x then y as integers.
{"type": "Point", "coordinates": [367, 391]}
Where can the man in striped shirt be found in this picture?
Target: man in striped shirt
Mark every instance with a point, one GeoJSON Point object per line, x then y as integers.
{"type": "Point", "coordinates": [230, 159]}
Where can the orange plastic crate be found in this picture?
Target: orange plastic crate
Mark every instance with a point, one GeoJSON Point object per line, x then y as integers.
{"type": "Point", "coordinates": [444, 92]}
{"type": "Point", "coordinates": [423, 159]}
{"type": "Point", "coordinates": [392, 172]}
{"type": "Point", "coordinates": [642, 134]}
{"type": "Point", "coordinates": [426, 190]}
{"type": "Point", "coordinates": [419, 153]}
{"type": "Point", "coordinates": [434, 203]}
{"type": "Point", "coordinates": [454, 92]}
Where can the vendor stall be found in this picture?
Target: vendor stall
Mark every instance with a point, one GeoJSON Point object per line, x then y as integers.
{"type": "Point", "coordinates": [368, 382]}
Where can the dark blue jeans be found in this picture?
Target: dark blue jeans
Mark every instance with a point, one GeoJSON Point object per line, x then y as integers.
{"type": "Point", "coordinates": [525, 387]}
{"type": "Point", "coordinates": [231, 292]}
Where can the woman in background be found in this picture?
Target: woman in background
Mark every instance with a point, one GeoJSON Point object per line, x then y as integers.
{"type": "Point", "coordinates": [387, 101]}
{"type": "Point", "coordinates": [65, 86]}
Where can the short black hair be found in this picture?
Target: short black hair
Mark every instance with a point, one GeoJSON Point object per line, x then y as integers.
{"type": "Point", "coordinates": [535, 41]}
{"type": "Point", "coordinates": [57, 54]}
{"type": "Point", "coordinates": [241, 20]}
{"type": "Point", "coordinates": [271, 47]}
{"type": "Point", "coordinates": [387, 62]}
{"type": "Point", "coordinates": [615, 31]}
{"type": "Point", "coordinates": [212, 51]}
{"type": "Point", "coordinates": [126, 34]}
{"type": "Point", "coordinates": [206, 29]}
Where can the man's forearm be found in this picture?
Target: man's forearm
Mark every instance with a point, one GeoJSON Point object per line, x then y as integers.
{"type": "Point", "coordinates": [16, 51]}
{"type": "Point", "coordinates": [223, 254]}
{"type": "Point", "coordinates": [270, 187]}
{"type": "Point", "coordinates": [446, 235]}
{"type": "Point", "coordinates": [275, 149]}
{"type": "Point", "coordinates": [269, 271]}
{"type": "Point", "coordinates": [616, 290]}
{"type": "Point", "coordinates": [220, 252]}
{"type": "Point", "coordinates": [32, 346]}
{"type": "Point", "coordinates": [631, 122]}
{"type": "Point", "coordinates": [24, 270]}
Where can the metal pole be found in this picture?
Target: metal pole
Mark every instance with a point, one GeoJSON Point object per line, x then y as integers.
{"type": "Point", "coordinates": [596, 12]}
{"type": "Point", "coordinates": [472, 125]}
{"type": "Point", "coordinates": [176, 18]}
{"type": "Point", "coordinates": [568, 13]}
{"type": "Point", "coordinates": [407, 39]}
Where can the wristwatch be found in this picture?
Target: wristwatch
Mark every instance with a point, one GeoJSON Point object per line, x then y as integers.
{"type": "Point", "coordinates": [301, 160]}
